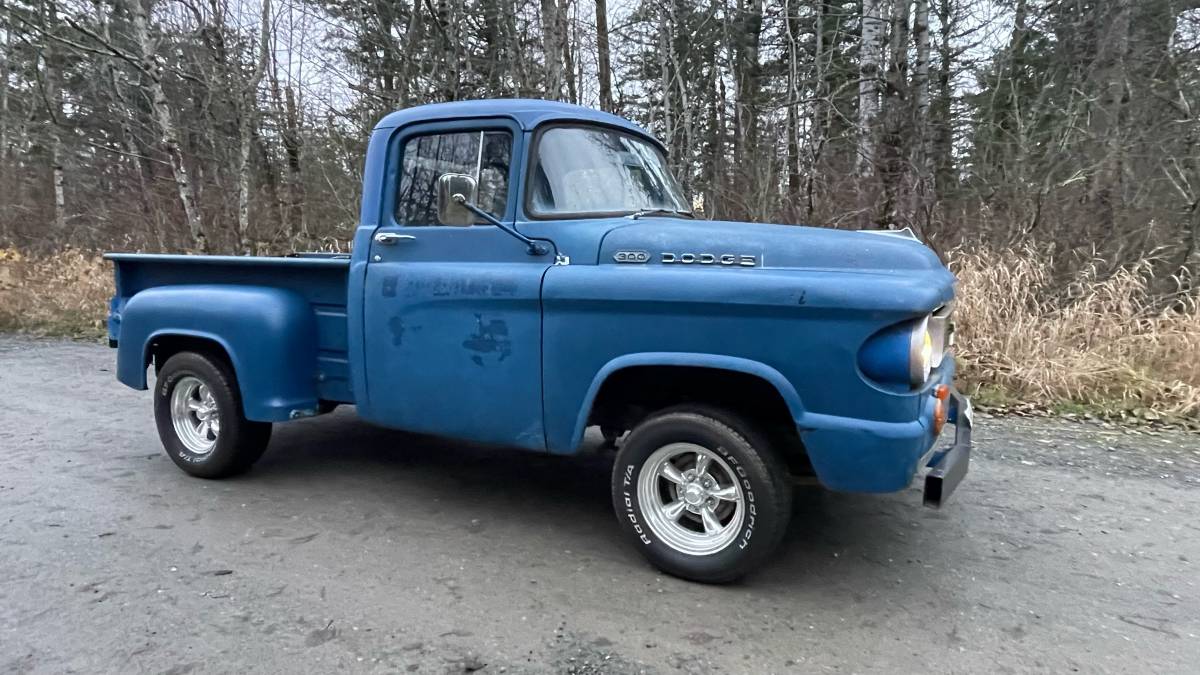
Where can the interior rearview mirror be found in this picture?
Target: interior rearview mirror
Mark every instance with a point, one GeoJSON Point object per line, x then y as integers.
{"type": "Point", "coordinates": [450, 211]}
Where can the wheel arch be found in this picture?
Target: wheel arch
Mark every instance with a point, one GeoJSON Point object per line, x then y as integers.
{"type": "Point", "coordinates": [163, 344]}
{"type": "Point", "coordinates": [759, 382]}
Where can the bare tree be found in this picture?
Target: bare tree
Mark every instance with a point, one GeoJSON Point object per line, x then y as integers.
{"type": "Point", "coordinates": [240, 126]}
{"type": "Point", "coordinates": [248, 105]}
{"type": "Point", "coordinates": [52, 101]}
{"type": "Point", "coordinates": [150, 67]}
{"type": "Point", "coordinates": [552, 48]}
{"type": "Point", "coordinates": [4, 109]}
{"type": "Point", "coordinates": [870, 61]}
{"type": "Point", "coordinates": [603, 60]}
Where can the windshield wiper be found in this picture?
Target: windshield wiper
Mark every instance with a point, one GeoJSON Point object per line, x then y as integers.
{"type": "Point", "coordinates": [661, 212]}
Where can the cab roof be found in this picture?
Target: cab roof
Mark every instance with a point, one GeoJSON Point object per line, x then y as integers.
{"type": "Point", "coordinates": [528, 113]}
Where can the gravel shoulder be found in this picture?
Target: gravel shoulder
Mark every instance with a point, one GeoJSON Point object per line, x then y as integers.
{"type": "Point", "coordinates": [1068, 547]}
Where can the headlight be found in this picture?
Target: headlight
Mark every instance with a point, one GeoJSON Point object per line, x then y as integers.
{"type": "Point", "coordinates": [901, 354]}
{"type": "Point", "coordinates": [920, 353]}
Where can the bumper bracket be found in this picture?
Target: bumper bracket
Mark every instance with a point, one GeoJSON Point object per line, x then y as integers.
{"type": "Point", "coordinates": [948, 467]}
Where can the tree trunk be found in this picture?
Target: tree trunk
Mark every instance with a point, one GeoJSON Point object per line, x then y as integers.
{"type": "Point", "coordinates": [107, 73]}
{"type": "Point", "coordinates": [870, 60]}
{"type": "Point", "coordinates": [287, 114]}
{"type": "Point", "coordinates": [821, 108]}
{"type": "Point", "coordinates": [897, 121]}
{"type": "Point", "coordinates": [51, 75]}
{"type": "Point", "coordinates": [747, 77]}
{"type": "Point", "coordinates": [4, 141]}
{"type": "Point", "coordinates": [248, 102]}
{"type": "Point", "coordinates": [564, 37]}
{"type": "Point", "coordinates": [1107, 120]}
{"type": "Point", "coordinates": [166, 125]}
{"type": "Point", "coordinates": [921, 197]}
{"type": "Point", "coordinates": [792, 158]}
{"type": "Point", "coordinates": [942, 131]}
{"type": "Point", "coordinates": [551, 50]}
{"type": "Point", "coordinates": [603, 66]}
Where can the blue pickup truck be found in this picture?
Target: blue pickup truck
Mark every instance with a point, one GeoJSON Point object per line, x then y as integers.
{"type": "Point", "coordinates": [525, 270]}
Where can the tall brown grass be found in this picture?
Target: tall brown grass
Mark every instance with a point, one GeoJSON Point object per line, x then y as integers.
{"type": "Point", "coordinates": [65, 294]}
{"type": "Point", "coordinates": [1023, 334]}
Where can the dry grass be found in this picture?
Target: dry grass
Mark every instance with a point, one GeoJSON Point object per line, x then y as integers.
{"type": "Point", "coordinates": [1098, 343]}
{"type": "Point", "coordinates": [1023, 336]}
{"type": "Point", "coordinates": [65, 294]}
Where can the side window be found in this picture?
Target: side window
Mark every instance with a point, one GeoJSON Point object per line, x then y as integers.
{"type": "Point", "coordinates": [483, 155]}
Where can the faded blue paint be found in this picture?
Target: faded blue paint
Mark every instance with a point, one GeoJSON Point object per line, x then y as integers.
{"type": "Point", "coordinates": [527, 114]}
{"type": "Point", "coordinates": [468, 363]}
{"type": "Point", "coordinates": [461, 332]}
{"type": "Point", "coordinates": [681, 359]}
{"type": "Point", "coordinates": [273, 348]}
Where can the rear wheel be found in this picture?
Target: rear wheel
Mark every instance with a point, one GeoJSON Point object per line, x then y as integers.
{"type": "Point", "coordinates": [198, 411]}
{"type": "Point", "coordinates": [702, 495]}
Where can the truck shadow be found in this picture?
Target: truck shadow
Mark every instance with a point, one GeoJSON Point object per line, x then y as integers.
{"type": "Point", "coordinates": [833, 540]}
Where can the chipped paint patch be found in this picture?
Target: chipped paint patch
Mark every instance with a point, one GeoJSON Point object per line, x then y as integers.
{"type": "Point", "coordinates": [389, 285]}
{"type": "Point", "coordinates": [490, 337]}
{"type": "Point", "coordinates": [396, 325]}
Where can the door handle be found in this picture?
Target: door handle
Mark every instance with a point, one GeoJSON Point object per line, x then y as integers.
{"type": "Point", "coordinates": [391, 238]}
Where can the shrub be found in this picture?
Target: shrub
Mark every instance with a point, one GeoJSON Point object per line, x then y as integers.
{"type": "Point", "coordinates": [64, 294]}
{"type": "Point", "coordinates": [1026, 335]}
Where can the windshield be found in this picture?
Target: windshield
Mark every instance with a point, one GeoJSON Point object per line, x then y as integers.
{"type": "Point", "coordinates": [592, 171]}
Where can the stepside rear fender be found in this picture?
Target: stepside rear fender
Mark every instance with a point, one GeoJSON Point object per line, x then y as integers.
{"type": "Point", "coordinates": [269, 335]}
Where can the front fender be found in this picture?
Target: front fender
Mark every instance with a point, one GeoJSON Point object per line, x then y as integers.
{"type": "Point", "coordinates": [714, 361]}
{"type": "Point", "coordinates": [269, 334]}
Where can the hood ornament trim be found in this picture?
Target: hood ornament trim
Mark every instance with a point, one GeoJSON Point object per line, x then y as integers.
{"type": "Point", "coordinates": [672, 258]}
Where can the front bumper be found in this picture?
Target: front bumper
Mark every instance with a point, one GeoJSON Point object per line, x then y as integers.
{"type": "Point", "coordinates": [948, 467]}
{"type": "Point", "coordinates": [851, 454]}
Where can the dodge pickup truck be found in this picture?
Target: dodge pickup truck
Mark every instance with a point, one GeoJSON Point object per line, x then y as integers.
{"type": "Point", "coordinates": [525, 270]}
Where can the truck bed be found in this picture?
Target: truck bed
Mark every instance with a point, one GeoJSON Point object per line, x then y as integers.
{"type": "Point", "coordinates": [319, 278]}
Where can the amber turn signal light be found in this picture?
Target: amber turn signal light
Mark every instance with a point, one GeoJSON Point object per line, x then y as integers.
{"type": "Point", "coordinates": [941, 393]}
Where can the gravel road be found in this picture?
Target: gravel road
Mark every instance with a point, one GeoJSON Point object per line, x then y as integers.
{"type": "Point", "coordinates": [1068, 548]}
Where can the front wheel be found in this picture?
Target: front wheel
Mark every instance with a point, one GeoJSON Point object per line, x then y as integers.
{"type": "Point", "coordinates": [701, 494]}
{"type": "Point", "coordinates": [198, 411]}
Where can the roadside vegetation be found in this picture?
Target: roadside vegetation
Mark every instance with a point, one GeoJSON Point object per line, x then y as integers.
{"type": "Point", "coordinates": [1049, 150]}
{"type": "Point", "coordinates": [1096, 343]}
{"type": "Point", "coordinates": [64, 295]}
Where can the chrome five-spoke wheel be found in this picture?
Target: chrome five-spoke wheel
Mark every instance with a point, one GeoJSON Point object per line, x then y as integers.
{"type": "Point", "coordinates": [691, 499]}
{"type": "Point", "coordinates": [195, 415]}
{"type": "Point", "coordinates": [200, 419]}
{"type": "Point", "coordinates": [701, 493]}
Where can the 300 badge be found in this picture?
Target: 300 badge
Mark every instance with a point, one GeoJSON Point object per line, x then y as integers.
{"type": "Point", "coordinates": [631, 256]}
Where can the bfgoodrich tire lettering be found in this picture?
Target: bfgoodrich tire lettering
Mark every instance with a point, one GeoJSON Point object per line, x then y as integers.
{"type": "Point", "coordinates": [708, 520]}
{"type": "Point", "coordinates": [198, 412]}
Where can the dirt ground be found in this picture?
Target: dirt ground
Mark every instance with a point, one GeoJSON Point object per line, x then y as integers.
{"type": "Point", "coordinates": [1068, 548]}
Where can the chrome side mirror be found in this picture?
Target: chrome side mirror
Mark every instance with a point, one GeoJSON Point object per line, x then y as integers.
{"type": "Point", "coordinates": [450, 209]}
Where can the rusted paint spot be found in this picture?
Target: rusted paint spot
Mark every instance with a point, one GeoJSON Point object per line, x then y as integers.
{"type": "Point", "coordinates": [490, 337]}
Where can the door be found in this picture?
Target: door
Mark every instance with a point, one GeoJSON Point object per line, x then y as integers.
{"type": "Point", "coordinates": [452, 315]}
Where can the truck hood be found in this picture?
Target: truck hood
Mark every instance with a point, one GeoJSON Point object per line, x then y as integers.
{"type": "Point", "coordinates": [716, 244]}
